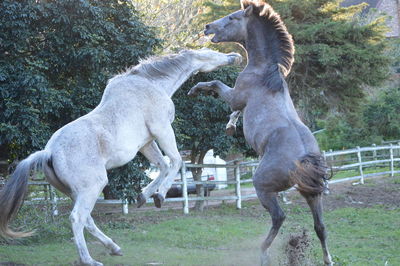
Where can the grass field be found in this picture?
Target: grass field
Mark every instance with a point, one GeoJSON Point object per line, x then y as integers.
{"type": "Point", "coordinates": [366, 233]}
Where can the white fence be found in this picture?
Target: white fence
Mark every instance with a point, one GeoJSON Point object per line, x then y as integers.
{"type": "Point", "coordinates": [363, 158]}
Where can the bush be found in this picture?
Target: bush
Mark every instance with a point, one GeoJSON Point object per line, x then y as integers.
{"type": "Point", "coordinates": [377, 120]}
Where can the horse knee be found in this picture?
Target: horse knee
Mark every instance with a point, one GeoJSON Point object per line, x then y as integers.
{"type": "Point", "coordinates": [176, 162]}
{"type": "Point", "coordinates": [163, 166]}
{"type": "Point", "coordinates": [75, 218]}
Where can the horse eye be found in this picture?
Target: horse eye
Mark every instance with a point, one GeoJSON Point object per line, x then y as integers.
{"type": "Point", "coordinates": [230, 18]}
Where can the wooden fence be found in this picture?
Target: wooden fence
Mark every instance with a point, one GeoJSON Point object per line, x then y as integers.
{"type": "Point", "coordinates": [357, 158]}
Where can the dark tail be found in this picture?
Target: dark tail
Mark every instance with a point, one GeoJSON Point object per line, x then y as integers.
{"type": "Point", "coordinates": [311, 175]}
{"type": "Point", "coordinates": [13, 193]}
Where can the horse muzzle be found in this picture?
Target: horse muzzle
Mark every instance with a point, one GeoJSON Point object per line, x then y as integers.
{"type": "Point", "coordinates": [235, 58]}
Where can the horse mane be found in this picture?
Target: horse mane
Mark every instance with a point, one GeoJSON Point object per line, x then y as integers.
{"type": "Point", "coordinates": [160, 66]}
{"type": "Point", "coordinates": [286, 49]}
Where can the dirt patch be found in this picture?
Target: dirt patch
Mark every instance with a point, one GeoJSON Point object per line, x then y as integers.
{"type": "Point", "coordinates": [298, 248]}
{"type": "Point", "coordinates": [378, 191]}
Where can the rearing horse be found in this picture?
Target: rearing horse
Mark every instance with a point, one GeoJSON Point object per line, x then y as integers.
{"type": "Point", "coordinates": [135, 111]}
{"type": "Point", "coordinates": [289, 151]}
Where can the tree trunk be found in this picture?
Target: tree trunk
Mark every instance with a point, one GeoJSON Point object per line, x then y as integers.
{"type": "Point", "coordinates": [196, 172]}
{"type": "Point", "coordinates": [108, 195]}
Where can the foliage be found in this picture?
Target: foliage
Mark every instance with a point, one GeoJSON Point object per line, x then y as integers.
{"type": "Point", "coordinates": [174, 20]}
{"type": "Point", "coordinates": [128, 180]}
{"type": "Point", "coordinates": [382, 115]}
{"type": "Point", "coordinates": [376, 120]}
{"type": "Point", "coordinates": [55, 59]}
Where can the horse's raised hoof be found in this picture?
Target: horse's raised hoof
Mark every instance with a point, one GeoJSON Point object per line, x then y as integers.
{"type": "Point", "coordinates": [117, 252]}
{"type": "Point", "coordinates": [158, 200]}
{"type": "Point", "coordinates": [141, 200]}
{"type": "Point", "coordinates": [230, 130]}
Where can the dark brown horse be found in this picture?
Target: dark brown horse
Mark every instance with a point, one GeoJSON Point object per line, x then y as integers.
{"type": "Point", "coordinates": [290, 153]}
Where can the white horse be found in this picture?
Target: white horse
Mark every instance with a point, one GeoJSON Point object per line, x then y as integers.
{"type": "Point", "coordinates": [135, 111]}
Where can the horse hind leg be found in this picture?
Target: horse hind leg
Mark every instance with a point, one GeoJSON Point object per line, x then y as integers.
{"type": "Point", "coordinates": [270, 202]}
{"type": "Point", "coordinates": [315, 203]}
{"type": "Point", "coordinates": [84, 201]}
{"type": "Point", "coordinates": [105, 240]}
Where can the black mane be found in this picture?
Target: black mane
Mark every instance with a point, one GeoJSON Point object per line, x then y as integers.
{"type": "Point", "coordinates": [286, 46]}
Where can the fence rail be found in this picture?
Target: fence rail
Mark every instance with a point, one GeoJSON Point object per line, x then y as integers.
{"type": "Point", "coordinates": [363, 161]}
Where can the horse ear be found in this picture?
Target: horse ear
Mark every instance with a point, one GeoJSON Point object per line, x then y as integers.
{"type": "Point", "coordinates": [248, 11]}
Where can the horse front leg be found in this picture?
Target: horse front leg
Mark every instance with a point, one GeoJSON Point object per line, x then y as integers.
{"type": "Point", "coordinates": [231, 126]}
{"type": "Point", "coordinates": [224, 91]}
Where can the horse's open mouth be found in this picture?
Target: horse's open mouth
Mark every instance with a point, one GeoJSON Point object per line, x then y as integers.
{"type": "Point", "coordinates": [208, 32]}
{"type": "Point", "coordinates": [214, 39]}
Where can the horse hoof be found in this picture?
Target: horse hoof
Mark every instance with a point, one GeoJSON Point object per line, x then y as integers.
{"type": "Point", "coordinates": [117, 252]}
{"type": "Point", "coordinates": [230, 131]}
{"type": "Point", "coordinates": [158, 200]}
{"type": "Point", "coordinates": [141, 199]}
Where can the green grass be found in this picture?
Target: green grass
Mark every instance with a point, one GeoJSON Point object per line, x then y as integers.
{"type": "Point", "coordinates": [220, 236]}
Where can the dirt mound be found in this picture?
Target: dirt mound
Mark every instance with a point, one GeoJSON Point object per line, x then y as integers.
{"type": "Point", "coordinates": [298, 248]}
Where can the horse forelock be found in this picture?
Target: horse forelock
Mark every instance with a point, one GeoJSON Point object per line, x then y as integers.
{"type": "Point", "coordinates": [286, 45]}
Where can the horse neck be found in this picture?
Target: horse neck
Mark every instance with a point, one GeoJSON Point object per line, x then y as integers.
{"type": "Point", "coordinates": [174, 81]}
{"type": "Point", "coordinates": [262, 45]}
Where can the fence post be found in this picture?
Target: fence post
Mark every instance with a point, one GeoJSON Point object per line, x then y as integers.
{"type": "Point", "coordinates": [53, 200]}
{"type": "Point", "coordinates": [184, 189]}
{"type": "Point", "coordinates": [330, 166]}
{"type": "Point", "coordinates": [374, 152]}
{"type": "Point", "coordinates": [125, 206]}
{"type": "Point", "coordinates": [391, 160]}
{"type": "Point", "coordinates": [360, 164]}
{"type": "Point", "coordinates": [237, 188]}
{"type": "Point", "coordinates": [331, 157]}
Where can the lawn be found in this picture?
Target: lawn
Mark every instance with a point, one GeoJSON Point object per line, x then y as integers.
{"type": "Point", "coordinates": [358, 234]}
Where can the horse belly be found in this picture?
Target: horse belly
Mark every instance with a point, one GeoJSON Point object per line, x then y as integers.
{"type": "Point", "coordinates": [256, 128]}
{"type": "Point", "coordinates": [127, 146]}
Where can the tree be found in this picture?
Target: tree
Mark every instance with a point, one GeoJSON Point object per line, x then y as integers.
{"type": "Point", "coordinates": [173, 20]}
{"type": "Point", "coordinates": [382, 115]}
{"type": "Point", "coordinates": [55, 59]}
